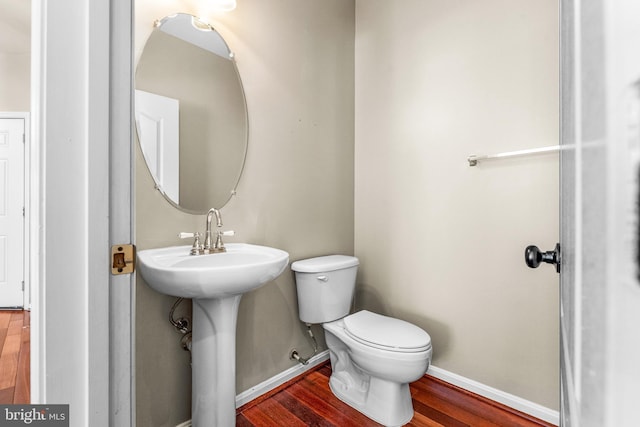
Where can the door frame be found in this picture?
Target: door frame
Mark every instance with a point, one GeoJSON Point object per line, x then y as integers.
{"type": "Point", "coordinates": [121, 208]}
{"type": "Point", "coordinates": [82, 200]}
{"type": "Point", "coordinates": [28, 203]}
{"type": "Point", "coordinates": [601, 295]}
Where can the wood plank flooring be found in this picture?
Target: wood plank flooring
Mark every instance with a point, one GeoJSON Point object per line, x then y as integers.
{"type": "Point", "coordinates": [308, 401]}
{"type": "Point", "coordinates": [14, 357]}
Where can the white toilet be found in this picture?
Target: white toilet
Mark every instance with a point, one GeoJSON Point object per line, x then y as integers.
{"type": "Point", "coordinates": [373, 357]}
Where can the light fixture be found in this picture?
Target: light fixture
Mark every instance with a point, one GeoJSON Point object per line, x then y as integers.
{"type": "Point", "coordinates": [224, 5]}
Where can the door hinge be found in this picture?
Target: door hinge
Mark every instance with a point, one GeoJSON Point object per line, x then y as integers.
{"type": "Point", "coordinates": [123, 259]}
{"type": "Point", "coordinates": [23, 286]}
{"type": "Point", "coordinates": [24, 138]}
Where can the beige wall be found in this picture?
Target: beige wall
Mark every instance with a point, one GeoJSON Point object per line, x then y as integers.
{"type": "Point", "coordinates": [15, 81]}
{"type": "Point", "coordinates": [441, 244]}
{"type": "Point", "coordinates": [15, 55]}
{"type": "Point", "coordinates": [296, 62]}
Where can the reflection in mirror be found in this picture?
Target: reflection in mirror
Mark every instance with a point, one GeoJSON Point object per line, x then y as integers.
{"type": "Point", "coordinates": [191, 114]}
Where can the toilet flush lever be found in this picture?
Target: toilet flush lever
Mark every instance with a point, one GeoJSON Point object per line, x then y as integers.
{"type": "Point", "coordinates": [323, 278]}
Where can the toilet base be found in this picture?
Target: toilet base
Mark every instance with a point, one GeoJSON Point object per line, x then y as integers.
{"type": "Point", "coordinates": [385, 402]}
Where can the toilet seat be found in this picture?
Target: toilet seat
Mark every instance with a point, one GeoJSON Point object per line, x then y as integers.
{"type": "Point", "coordinates": [386, 333]}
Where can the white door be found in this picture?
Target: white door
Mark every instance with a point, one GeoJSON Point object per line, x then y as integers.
{"type": "Point", "coordinates": [12, 133]}
{"type": "Point", "coordinates": [600, 214]}
{"type": "Point", "coordinates": [157, 119]}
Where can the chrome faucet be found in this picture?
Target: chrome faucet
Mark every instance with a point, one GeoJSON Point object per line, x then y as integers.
{"type": "Point", "coordinates": [218, 246]}
{"type": "Point", "coordinates": [208, 247]}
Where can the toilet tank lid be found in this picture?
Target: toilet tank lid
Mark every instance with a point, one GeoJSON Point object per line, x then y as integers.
{"type": "Point", "coordinates": [324, 263]}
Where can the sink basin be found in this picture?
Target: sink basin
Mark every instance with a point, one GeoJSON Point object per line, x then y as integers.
{"type": "Point", "coordinates": [242, 268]}
{"type": "Point", "coordinates": [216, 283]}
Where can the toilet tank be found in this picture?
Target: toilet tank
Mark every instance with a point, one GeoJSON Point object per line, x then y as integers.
{"type": "Point", "coordinates": [325, 287]}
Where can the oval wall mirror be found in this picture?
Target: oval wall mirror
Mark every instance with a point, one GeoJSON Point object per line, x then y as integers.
{"type": "Point", "coordinates": [191, 114]}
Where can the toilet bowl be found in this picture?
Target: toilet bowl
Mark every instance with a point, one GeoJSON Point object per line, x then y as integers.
{"type": "Point", "coordinates": [373, 357]}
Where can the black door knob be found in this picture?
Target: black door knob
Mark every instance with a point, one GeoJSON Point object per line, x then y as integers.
{"type": "Point", "coordinates": [534, 256]}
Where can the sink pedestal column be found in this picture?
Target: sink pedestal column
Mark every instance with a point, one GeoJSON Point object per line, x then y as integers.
{"type": "Point", "coordinates": [213, 363]}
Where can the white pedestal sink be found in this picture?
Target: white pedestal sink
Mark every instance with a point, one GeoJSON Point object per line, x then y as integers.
{"type": "Point", "coordinates": [216, 283]}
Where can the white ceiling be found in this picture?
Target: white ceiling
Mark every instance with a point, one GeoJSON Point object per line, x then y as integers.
{"type": "Point", "coordinates": [15, 26]}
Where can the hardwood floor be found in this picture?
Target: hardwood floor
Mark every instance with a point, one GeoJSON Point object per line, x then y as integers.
{"type": "Point", "coordinates": [14, 357]}
{"type": "Point", "coordinates": [308, 401]}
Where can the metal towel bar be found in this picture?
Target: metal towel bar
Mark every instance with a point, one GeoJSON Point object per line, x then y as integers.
{"type": "Point", "coordinates": [473, 159]}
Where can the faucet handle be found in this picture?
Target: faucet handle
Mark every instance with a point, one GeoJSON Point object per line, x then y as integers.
{"type": "Point", "coordinates": [219, 246]}
{"type": "Point", "coordinates": [196, 249]}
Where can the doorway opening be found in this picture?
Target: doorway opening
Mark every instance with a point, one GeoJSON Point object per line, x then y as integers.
{"type": "Point", "coordinates": [15, 301]}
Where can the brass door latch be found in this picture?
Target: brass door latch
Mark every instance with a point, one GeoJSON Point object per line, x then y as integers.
{"type": "Point", "coordinates": [123, 259]}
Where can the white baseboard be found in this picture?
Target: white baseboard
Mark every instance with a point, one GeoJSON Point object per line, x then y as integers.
{"type": "Point", "coordinates": [496, 395]}
{"type": "Point", "coordinates": [275, 381]}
